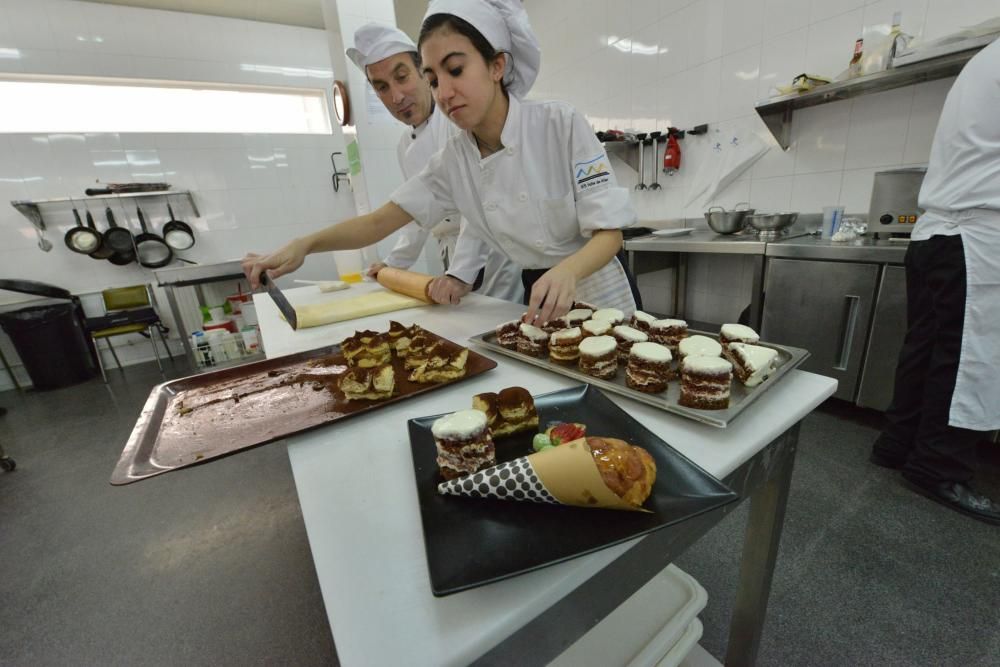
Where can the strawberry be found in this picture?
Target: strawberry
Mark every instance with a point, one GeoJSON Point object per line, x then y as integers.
{"type": "Point", "coordinates": [566, 432]}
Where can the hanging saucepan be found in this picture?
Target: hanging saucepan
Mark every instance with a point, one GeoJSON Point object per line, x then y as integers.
{"type": "Point", "coordinates": [152, 249]}
{"type": "Point", "coordinates": [80, 239]}
{"type": "Point", "coordinates": [177, 234]}
{"type": "Point", "coordinates": [103, 250]}
{"type": "Point", "coordinates": [119, 240]}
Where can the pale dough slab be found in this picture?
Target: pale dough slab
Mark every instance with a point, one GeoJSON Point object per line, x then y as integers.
{"type": "Point", "coordinates": [318, 314]}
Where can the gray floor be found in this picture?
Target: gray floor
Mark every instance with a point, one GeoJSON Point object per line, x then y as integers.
{"type": "Point", "coordinates": [212, 566]}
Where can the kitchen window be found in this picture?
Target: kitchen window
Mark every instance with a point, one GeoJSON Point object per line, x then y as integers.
{"type": "Point", "coordinates": [75, 104]}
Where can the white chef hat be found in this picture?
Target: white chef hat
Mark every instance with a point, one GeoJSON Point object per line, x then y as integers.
{"type": "Point", "coordinates": [504, 24]}
{"type": "Point", "coordinates": [374, 42]}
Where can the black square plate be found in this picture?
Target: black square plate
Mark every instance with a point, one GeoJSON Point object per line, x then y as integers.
{"type": "Point", "coordinates": [471, 541]}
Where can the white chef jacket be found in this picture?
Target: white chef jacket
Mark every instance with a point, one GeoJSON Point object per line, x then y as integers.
{"type": "Point", "coordinates": [961, 195]}
{"type": "Point", "coordinates": [538, 200]}
{"type": "Point", "coordinates": [502, 279]}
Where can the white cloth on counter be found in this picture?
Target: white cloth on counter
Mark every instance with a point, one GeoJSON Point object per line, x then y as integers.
{"type": "Point", "coordinates": [727, 155]}
{"type": "Point", "coordinates": [502, 278]}
{"type": "Point", "coordinates": [538, 199]}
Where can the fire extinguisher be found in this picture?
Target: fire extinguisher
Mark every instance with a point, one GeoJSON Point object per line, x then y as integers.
{"type": "Point", "coordinates": [672, 156]}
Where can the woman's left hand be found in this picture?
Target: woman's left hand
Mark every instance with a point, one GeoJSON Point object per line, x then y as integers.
{"type": "Point", "coordinates": [552, 295]}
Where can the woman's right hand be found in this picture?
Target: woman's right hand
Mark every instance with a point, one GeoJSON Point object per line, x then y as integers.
{"type": "Point", "coordinates": [284, 260]}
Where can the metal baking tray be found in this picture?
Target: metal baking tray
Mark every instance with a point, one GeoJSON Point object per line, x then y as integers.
{"type": "Point", "coordinates": [198, 418]}
{"type": "Point", "coordinates": [740, 398]}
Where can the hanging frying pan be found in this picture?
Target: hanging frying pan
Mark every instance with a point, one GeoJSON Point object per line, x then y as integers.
{"type": "Point", "coordinates": [153, 251]}
{"type": "Point", "coordinates": [119, 240]}
{"type": "Point", "coordinates": [103, 251]}
{"type": "Point", "coordinates": [177, 234]}
{"type": "Point", "coordinates": [81, 239]}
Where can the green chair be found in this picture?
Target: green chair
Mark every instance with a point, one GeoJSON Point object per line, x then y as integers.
{"type": "Point", "coordinates": [128, 310]}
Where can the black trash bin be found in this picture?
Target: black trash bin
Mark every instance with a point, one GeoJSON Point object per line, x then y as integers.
{"type": "Point", "coordinates": [50, 339]}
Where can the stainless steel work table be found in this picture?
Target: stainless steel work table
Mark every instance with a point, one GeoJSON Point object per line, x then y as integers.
{"type": "Point", "coordinates": [358, 498]}
{"type": "Point", "coordinates": [864, 249]}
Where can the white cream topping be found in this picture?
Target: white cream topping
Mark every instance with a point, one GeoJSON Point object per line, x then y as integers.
{"type": "Point", "coordinates": [459, 425]}
{"type": "Point", "coordinates": [598, 346]}
{"type": "Point", "coordinates": [669, 324]}
{"type": "Point", "coordinates": [565, 334]}
{"type": "Point", "coordinates": [597, 327]}
{"type": "Point", "coordinates": [699, 346]}
{"type": "Point", "coordinates": [651, 352]}
{"type": "Point", "coordinates": [578, 314]}
{"type": "Point", "coordinates": [708, 365]}
{"type": "Point", "coordinates": [643, 317]}
{"type": "Point", "coordinates": [611, 314]}
{"type": "Point", "coordinates": [630, 334]}
{"type": "Point", "coordinates": [532, 332]}
{"type": "Point", "coordinates": [739, 332]}
{"type": "Point", "coordinates": [757, 359]}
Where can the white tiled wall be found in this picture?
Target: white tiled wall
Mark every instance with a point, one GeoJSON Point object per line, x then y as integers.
{"type": "Point", "coordinates": [254, 191]}
{"type": "Point", "coordinates": [650, 64]}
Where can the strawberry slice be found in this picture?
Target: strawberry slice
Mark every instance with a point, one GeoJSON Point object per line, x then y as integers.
{"type": "Point", "coordinates": [566, 432]}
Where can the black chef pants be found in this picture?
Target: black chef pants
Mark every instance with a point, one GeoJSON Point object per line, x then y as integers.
{"type": "Point", "coordinates": [530, 276]}
{"type": "Point", "coordinates": [917, 432]}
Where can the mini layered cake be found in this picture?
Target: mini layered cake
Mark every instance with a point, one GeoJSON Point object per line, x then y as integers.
{"type": "Point", "coordinates": [668, 332]}
{"type": "Point", "coordinates": [509, 412]}
{"type": "Point", "coordinates": [752, 364]}
{"type": "Point", "coordinates": [579, 305]}
{"type": "Point", "coordinates": [705, 383]}
{"type": "Point", "coordinates": [401, 340]}
{"type": "Point", "coordinates": [440, 362]}
{"type": "Point", "coordinates": [648, 368]}
{"type": "Point", "coordinates": [366, 349]}
{"type": "Point", "coordinates": [626, 337]}
{"type": "Point", "coordinates": [564, 345]}
{"type": "Point", "coordinates": [599, 356]}
{"type": "Point", "coordinates": [596, 328]}
{"type": "Point", "coordinates": [373, 384]}
{"type": "Point", "coordinates": [612, 315]}
{"type": "Point", "coordinates": [699, 346]}
{"type": "Point", "coordinates": [736, 333]}
{"type": "Point", "coordinates": [577, 316]}
{"type": "Point", "coordinates": [642, 321]}
{"type": "Point", "coordinates": [532, 340]}
{"type": "Point", "coordinates": [464, 444]}
{"type": "Point", "coordinates": [552, 326]}
{"type": "Point", "coordinates": [507, 334]}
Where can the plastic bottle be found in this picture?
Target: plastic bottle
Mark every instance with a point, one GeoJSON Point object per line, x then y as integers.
{"type": "Point", "coordinates": [899, 40]}
{"type": "Point", "coordinates": [854, 67]}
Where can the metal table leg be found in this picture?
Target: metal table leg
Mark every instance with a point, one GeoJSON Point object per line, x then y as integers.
{"type": "Point", "coordinates": [757, 297]}
{"type": "Point", "coordinates": [764, 479]}
{"type": "Point", "coordinates": [179, 324]}
{"type": "Point", "coordinates": [10, 372]}
{"type": "Point", "coordinates": [680, 286]}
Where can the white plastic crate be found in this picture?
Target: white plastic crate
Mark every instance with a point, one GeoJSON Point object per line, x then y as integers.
{"type": "Point", "coordinates": [642, 631]}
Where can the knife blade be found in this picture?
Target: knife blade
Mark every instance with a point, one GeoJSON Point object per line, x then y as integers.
{"type": "Point", "coordinates": [279, 300]}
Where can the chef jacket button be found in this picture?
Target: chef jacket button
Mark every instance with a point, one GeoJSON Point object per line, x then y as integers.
{"type": "Point", "coordinates": [539, 243]}
{"type": "Point", "coordinates": [491, 206]}
{"type": "Point", "coordinates": [510, 150]}
{"type": "Point", "coordinates": [523, 196]}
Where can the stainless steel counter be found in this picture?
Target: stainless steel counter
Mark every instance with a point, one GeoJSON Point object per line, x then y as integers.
{"type": "Point", "coordinates": [700, 240]}
{"type": "Point", "coordinates": [861, 250]}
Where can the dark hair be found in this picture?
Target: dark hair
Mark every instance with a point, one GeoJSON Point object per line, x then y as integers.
{"type": "Point", "coordinates": [462, 27]}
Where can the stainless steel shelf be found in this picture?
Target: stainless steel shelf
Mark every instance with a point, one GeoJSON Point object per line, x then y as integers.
{"type": "Point", "coordinates": [777, 112]}
{"type": "Point", "coordinates": [30, 208]}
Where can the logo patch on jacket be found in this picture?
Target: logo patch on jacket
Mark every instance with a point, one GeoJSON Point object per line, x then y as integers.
{"type": "Point", "coordinates": [592, 172]}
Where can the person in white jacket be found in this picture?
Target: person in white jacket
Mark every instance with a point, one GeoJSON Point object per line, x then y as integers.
{"type": "Point", "coordinates": [947, 389]}
{"type": "Point", "coordinates": [530, 178]}
{"type": "Point", "coordinates": [388, 58]}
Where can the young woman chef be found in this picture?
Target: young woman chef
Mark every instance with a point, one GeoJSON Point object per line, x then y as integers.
{"type": "Point", "coordinates": [530, 178]}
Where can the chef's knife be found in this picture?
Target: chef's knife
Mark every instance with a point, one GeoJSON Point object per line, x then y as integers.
{"type": "Point", "coordinates": [279, 300]}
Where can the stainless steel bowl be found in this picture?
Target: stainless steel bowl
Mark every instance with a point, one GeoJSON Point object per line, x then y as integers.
{"type": "Point", "coordinates": [772, 222]}
{"type": "Point", "coordinates": [727, 222]}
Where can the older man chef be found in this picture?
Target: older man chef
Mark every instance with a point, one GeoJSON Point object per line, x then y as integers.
{"type": "Point", "coordinates": [388, 58]}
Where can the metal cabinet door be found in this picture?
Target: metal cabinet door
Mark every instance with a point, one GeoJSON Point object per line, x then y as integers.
{"type": "Point", "coordinates": [885, 341]}
{"type": "Point", "coordinates": [824, 307]}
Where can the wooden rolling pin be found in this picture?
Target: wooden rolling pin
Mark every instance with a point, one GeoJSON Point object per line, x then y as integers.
{"type": "Point", "coordinates": [405, 282]}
